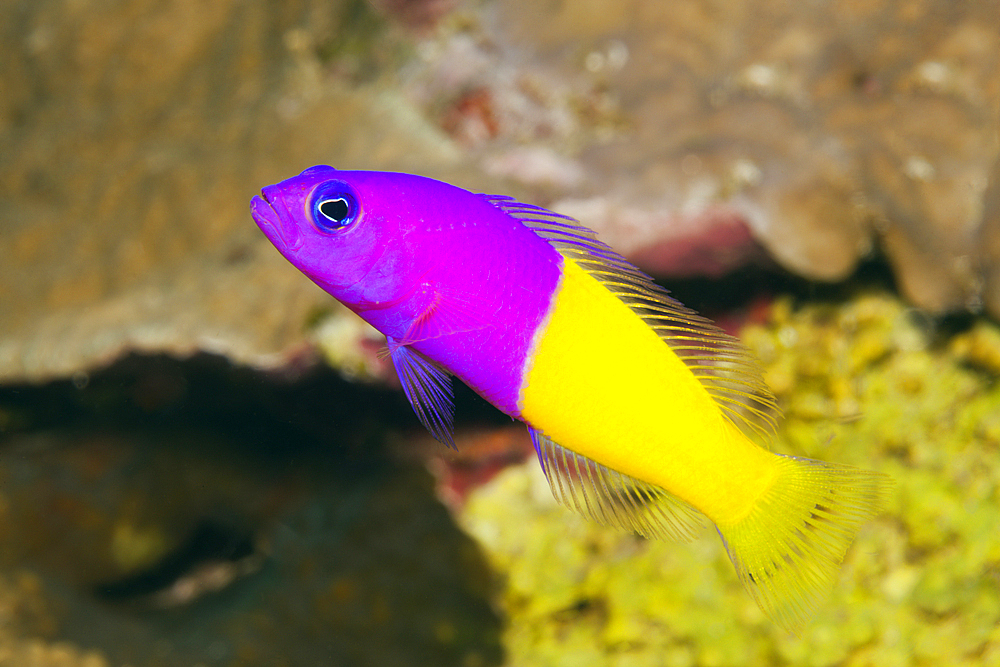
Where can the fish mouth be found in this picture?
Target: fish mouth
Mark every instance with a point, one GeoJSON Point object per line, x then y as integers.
{"type": "Point", "coordinates": [273, 219]}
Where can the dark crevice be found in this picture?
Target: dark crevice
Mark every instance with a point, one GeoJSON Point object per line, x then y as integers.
{"type": "Point", "coordinates": [212, 543]}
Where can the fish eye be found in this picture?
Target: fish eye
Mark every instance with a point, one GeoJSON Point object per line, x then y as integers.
{"type": "Point", "coordinates": [334, 207]}
{"type": "Point", "coordinates": [335, 210]}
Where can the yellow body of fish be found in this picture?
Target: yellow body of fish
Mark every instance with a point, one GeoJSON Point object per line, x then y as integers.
{"type": "Point", "coordinates": [633, 434]}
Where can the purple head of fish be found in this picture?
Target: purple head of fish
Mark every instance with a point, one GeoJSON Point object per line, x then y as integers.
{"type": "Point", "coordinates": [322, 223]}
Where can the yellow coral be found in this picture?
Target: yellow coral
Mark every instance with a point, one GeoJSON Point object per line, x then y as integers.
{"type": "Point", "coordinates": [921, 586]}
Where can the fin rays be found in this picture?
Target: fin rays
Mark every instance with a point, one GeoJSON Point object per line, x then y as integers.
{"type": "Point", "coordinates": [612, 498]}
{"type": "Point", "coordinates": [429, 390]}
{"type": "Point", "coordinates": [788, 550]}
{"type": "Point", "coordinates": [726, 369]}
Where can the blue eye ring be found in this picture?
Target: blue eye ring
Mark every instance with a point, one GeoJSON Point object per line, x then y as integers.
{"type": "Point", "coordinates": [334, 207]}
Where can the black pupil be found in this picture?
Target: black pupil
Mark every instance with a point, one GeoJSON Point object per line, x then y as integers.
{"type": "Point", "coordinates": [334, 209]}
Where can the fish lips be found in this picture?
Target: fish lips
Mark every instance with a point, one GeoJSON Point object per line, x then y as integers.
{"type": "Point", "coordinates": [273, 219]}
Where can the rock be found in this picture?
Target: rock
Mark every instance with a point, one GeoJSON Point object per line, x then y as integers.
{"type": "Point", "coordinates": [134, 137]}
{"type": "Point", "coordinates": [24, 613]}
{"type": "Point", "coordinates": [135, 133]}
{"type": "Point", "coordinates": [175, 513]}
{"type": "Point", "coordinates": [829, 130]}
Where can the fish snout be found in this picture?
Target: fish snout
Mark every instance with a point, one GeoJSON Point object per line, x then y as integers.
{"type": "Point", "coordinates": [279, 228]}
{"type": "Point", "coordinates": [265, 216]}
{"type": "Point", "coordinates": [271, 193]}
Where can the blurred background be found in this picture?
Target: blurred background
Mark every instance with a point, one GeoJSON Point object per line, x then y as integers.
{"type": "Point", "coordinates": [204, 460]}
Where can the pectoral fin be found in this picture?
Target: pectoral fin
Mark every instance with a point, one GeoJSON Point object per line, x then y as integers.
{"type": "Point", "coordinates": [445, 312]}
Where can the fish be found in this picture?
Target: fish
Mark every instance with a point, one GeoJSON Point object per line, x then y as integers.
{"type": "Point", "coordinates": [643, 414]}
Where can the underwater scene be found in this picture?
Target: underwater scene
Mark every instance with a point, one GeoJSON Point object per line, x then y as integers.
{"type": "Point", "coordinates": [229, 430]}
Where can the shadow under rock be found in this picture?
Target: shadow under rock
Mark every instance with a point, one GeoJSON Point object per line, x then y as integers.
{"type": "Point", "coordinates": [192, 512]}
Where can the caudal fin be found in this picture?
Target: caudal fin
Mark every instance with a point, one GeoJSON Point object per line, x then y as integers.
{"type": "Point", "coordinates": [788, 550]}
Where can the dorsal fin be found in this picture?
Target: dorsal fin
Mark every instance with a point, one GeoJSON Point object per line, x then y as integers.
{"type": "Point", "coordinates": [727, 370]}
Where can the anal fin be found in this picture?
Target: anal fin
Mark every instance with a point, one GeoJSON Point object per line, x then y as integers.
{"type": "Point", "coordinates": [612, 498]}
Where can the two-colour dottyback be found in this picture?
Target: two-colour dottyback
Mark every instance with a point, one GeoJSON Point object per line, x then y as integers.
{"type": "Point", "coordinates": [644, 415]}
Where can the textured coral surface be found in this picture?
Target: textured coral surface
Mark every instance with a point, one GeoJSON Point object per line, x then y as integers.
{"type": "Point", "coordinates": [864, 382]}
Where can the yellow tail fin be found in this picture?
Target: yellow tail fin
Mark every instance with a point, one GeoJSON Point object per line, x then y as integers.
{"type": "Point", "coordinates": [788, 549]}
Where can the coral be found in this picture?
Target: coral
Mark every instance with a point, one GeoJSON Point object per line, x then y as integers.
{"type": "Point", "coordinates": [866, 382]}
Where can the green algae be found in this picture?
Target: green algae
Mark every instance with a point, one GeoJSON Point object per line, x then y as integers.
{"type": "Point", "coordinates": [864, 382]}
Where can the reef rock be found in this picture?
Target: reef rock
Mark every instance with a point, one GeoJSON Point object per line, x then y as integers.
{"type": "Point", "coordinates": [829, 130]}
{"type": "Point", "coordinates": [134, 135]}
{"type": "Point", "coordinates": [689, 134]}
